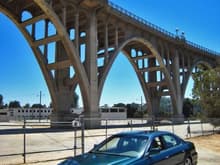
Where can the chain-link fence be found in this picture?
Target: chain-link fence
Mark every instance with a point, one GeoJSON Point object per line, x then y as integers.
{"type": "Point", "coordinates": [33, 141]}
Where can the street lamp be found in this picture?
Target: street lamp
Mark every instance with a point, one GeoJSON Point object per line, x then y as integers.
{"type": "Point", "coordinates": [177, 31]}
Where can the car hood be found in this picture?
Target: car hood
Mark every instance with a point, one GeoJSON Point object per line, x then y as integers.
{"type": "Point", "coordinates": [98, 159]}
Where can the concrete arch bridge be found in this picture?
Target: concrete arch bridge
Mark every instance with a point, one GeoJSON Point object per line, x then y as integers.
{"type": "Point", "coordinates": [76, 42]}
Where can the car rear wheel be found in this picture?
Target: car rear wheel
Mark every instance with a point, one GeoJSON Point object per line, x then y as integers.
{"type": "Point", "coordinates": [187, 161]}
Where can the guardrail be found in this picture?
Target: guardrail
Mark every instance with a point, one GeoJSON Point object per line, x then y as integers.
{"type": "Point", "coordinates": [158, 29]}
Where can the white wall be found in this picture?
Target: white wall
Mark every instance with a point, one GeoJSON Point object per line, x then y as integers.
{"type": "Point", "coordinates": [113, 113]}
{"type": "Point", "coordinates": [29, 113]}
{"type": "Point", "coordinates": [4, 115]}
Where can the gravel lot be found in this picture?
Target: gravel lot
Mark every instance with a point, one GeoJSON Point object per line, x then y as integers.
{"type": "Point", "coordinates": [208, 148]}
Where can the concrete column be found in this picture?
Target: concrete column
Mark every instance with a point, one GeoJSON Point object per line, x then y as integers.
{"type": "Point", "coordinates": [92, 108]}
{"type": "Point", "coordinates": [64, 16]}
{"type": "Point", "coordinates": [77, 32]}
{"type": "Point", "coordinates": [178, 116]}
{"type": "Point", "coordinates": [106, 43]}
{"type": "Point", "coordinates": [45, 36]}
{"type": "Point", "coordinates": [116, 36]}
{"type": "Point", "coordinates": [154, 98]}
{"type": "Point", "coordinates": [33, 31]}
{"type": "Point", "coordinates": [183, 72]}
{"type": "Point", "coordinates": [64, 95]}
{"type": "Point", "coordinates": [155, 102]}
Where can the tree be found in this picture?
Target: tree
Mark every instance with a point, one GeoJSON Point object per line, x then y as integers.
{"type": "Point", "coordinates": [1, 101]}
{"type": "Point", "coordinates": [37, 106]}
{"type": "Point", "coordinates": [131, 109]}
{"type": "Point", "coordinates": [51, 105]}
{"type": "Point", "coordinates": [119, 105]}
{"type": "Point", "coordinates": [187, 108]}
{"type": "Point", "coordinates": [207, 92]}
{"type": "Point", "coordinates": [27, 105]}
{"type": "Point", "coordinates": [14, 104]}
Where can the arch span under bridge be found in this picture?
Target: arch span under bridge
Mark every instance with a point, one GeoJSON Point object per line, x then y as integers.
{"type": "Point", "coordinates": [163, 62]}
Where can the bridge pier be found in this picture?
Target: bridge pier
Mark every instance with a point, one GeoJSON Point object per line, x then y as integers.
{"type": "Point", "coordinates": [178, 103]}
{"type": "Point", "coordinates": [92, 120]}
{"type": "Point", "coordinates": [63, 98]}
{"type": "Point", "coordinates": [91, 108]}
{"type": "Point", "coordinates": [61, 115]}
{"type": "Point", "coordinates": [155, 102]}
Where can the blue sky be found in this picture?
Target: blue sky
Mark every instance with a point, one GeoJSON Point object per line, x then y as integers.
{"type": "Point", "coordinates": [21, 78]}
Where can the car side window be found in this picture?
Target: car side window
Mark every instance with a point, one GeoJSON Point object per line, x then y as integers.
{"type": "Point", "coordinates": [111, 145]}
{"type": "Point", "coordinates": [156, 145]}
{"type": "Point", "coordinates": [170, 141]}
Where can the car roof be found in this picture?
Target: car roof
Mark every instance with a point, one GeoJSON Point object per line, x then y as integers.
{"type": "Point", "coordinates": [143, 133]}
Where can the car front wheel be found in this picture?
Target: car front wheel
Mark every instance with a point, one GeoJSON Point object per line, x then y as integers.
{"type": "Point", "coordinates": [187, 161]}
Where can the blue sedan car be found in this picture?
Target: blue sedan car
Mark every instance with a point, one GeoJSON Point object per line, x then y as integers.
{"type": "Point", "coordinates": [139, 148]}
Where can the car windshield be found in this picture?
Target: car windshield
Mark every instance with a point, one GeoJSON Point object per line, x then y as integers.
{"type": "Point", "coordinates": [132, 146]}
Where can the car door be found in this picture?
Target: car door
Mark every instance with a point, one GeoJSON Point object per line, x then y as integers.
{"type": "Point", "coordinates": [174, 148]}
{"type": "Point", "coordinates": [157, 153]}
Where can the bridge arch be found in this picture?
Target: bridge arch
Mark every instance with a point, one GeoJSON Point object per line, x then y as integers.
{"type": "Point", "coordinates": [61, 38]}
{"type": "Point", "coordinates": [148, 52]}
{"type": "Point", "coordinates": [16, 21]}
{"type": "Point", "coordinates": [202, 62]}
{"type": "Point", "coordinates": [104, 29]}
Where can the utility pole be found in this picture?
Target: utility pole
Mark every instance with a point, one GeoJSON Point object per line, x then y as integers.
{"type": "Point", "coordinates": [40, 107]}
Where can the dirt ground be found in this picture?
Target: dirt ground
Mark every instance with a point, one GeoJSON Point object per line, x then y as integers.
{"type": "Point", "coordinates": [208, 148]}
{"type": "Point", "coordinates": [210, 142]}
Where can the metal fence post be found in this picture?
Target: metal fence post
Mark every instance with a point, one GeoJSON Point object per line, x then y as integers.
{"type": "Point", "coordinates": [173, 131]}
{"type": "Point", "coordinates": [131, 125]}
{"type": "Point", "coordinates": [213, 130]}
{"type": "Point", "coordinates": [202, 128]}
{"type": "Point", "coordinates": [74, 124]}
{"type": "Point", "coordinates": [24, 142]}
{"type": "Point", "coordinates": [106, 128]}
{"type": "Point", "coordinates": [188, 129]}
{"type": "Point", "coordinates": [82, 134]}
{"type": "Point", "coordinates": [153, 124]}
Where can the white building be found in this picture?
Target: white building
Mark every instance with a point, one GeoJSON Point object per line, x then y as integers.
{"type": "Point", "coordinates": [29, 113]}
{"type": "Point", "coordinates": [113, 113]}
{"type": "Point", "coordinates": [4, 115]}
{"type": "Point", "coordinates": [106, 112]}
{"type": "Point", "coordinates": [44, 113]}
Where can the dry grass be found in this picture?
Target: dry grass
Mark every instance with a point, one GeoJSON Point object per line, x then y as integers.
{"type": "Point", "coordinates": [210, 142]}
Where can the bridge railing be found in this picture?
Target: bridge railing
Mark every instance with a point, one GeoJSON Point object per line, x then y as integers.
{"type": "Point", "coordinates": [157, 28]}
{"type": "Point", "coordinates": [140, 20]}
{"type": "Point", "coordinates": [202, 48]}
